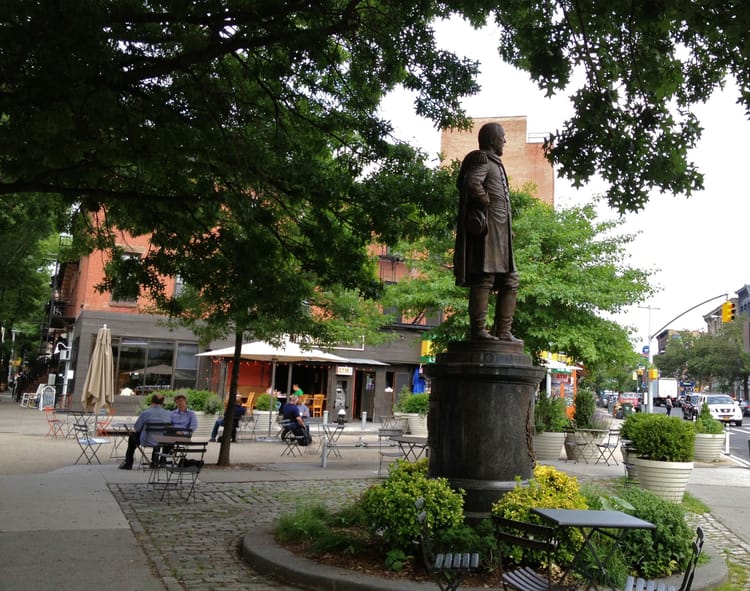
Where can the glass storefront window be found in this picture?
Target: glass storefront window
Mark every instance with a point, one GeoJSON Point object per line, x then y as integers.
{"type": "Point", "coordinates": [145, 365]}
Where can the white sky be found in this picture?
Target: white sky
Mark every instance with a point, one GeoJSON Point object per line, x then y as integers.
{"type": "Point", "coordinates": [695, 245]}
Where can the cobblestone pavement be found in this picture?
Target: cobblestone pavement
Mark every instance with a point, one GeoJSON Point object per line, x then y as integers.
{"type": "Point", "coordinates": [195, 546]}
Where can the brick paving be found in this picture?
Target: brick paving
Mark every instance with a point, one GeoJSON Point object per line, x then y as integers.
{"type": "Point", "coordinates": [195, 546]}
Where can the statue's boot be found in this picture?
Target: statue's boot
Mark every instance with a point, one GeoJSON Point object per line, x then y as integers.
{"type": "Point", "coordinates": [506, 307]}
{"type": "Point", "coordinates": [478, 302]}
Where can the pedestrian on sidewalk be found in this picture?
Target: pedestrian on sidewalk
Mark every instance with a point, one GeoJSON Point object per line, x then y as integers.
{"type": "Point", "coordinates": [669, 406]}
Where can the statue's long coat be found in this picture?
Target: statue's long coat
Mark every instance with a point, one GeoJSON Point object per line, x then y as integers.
{"type": "Point", "coordinates": [482, 183]}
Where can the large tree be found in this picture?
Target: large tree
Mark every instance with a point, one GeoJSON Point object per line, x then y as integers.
{"type": "Point", "coordinates": [108, 102]}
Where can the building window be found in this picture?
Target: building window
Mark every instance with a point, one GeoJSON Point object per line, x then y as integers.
{"type": "Point", "coordinates": [179, 286]}
{"type": "Point", "coordinates": [124, 290]}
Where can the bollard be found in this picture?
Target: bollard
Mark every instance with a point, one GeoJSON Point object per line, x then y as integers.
{"type": "Point", "coordinates": [325, 417]}
{"type": "Point", "coordinates": [364, 420]}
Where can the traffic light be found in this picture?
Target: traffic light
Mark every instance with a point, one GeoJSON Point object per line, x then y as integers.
{"type": "Point", "coordinates": [728, 311]}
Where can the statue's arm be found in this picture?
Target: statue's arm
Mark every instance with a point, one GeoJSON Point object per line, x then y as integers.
{"type": "Point", "coordinates": [474, 185]}
{"type": "Point", "coordinates": [476, 167]}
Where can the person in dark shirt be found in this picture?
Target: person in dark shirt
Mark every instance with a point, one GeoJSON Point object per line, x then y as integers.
{"type": "Point", "coordinates": [292, 420]}
{"type": "Point", "coordinates": [239, 412]}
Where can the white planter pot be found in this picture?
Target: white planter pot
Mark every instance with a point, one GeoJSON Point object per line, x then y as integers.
{"type": "Point", "coordinates": [548, 446]}
{"type": "Point", "coordinates": [205, 423]}
{"type": "Point", "coordinates": [417, 424]}
{"type": "Point", "coordinates": [708, 447]}
{"type": "Point", "coordinates": [627, 459]}
{"type": "Point", "coordinates": [667, 480]}
{"type": "Point", "coordinates": [402, 421]}
{"type": "Point", "coordinates": [262, 419]}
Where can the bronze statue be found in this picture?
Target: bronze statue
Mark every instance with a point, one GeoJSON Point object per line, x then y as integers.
{"type": "Point", "coordinates": [483, 258]}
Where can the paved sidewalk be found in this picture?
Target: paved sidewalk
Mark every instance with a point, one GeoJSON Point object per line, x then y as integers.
{"type": "Point", "coordinates": [71, 527]}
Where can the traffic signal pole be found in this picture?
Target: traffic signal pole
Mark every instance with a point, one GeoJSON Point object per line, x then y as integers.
{"type": "Point", "coordinates": [650, 405]}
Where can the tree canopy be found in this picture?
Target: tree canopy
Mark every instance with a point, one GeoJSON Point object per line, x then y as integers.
{"type": "Point", "coordinates": [109, 102]}
{"type": "Point", "coordinates": [710, 360]}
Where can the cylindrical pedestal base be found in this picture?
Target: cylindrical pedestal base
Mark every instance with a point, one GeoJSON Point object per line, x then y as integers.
{"type": "Point", "coordinates": [481, 419]}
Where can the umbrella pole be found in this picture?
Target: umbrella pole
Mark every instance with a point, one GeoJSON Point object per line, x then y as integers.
{"type": "Point", "coordinates": [273, 396]}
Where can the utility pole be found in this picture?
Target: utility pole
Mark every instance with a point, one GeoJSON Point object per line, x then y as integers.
{"type": "Point", "coordinates": [647, 394]}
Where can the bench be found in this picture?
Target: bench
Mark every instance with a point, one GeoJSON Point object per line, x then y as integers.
{"type": "Point", "coordinates": [447, 568]}
{"type": "Point", "coordinates": [633, 584]}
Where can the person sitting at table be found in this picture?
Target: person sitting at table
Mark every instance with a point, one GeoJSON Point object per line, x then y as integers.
{"type": "Point", "coordinates": [184, 420]}
{"type": "Point", "coordinates": [155, 414]}
{"type": "Point", "coordinates": [293, 421]}
{"type": "Point", "coordinates": [239, 412]}
{"type": "Point", "coordinates": [304, 410]}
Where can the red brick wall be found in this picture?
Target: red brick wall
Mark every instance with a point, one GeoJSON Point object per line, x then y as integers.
{"type": "Point", "coordinates": [524, 161]}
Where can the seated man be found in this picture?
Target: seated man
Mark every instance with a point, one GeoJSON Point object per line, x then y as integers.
{"type": "Point", "coordinates": [156, 413]}
{"type": "Point", "coordinates": [293, 421]}
{"type": "Point", "coordinates": [184, 420]}
{"type": "Point", "coordinates": [239, 412]}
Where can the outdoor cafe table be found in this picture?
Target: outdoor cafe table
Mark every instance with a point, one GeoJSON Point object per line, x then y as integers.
{"type": "Point", "coordinates": [592, 524]}
{"type": "Point", "coordinates": [118, 432]}
{"type": "Point", "coordinates": [411, 446]}
{"type": "Point", "coordinates": [75, 417]}
{"type": "Point", "coordinates": [587, 440]}
{"type": "Point", "coordinates": [332, 432]}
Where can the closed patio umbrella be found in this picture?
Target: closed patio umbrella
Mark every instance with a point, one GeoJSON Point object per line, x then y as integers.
{"type": "Point", "coordinates": [99, 387]}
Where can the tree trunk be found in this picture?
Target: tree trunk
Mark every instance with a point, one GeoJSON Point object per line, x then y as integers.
{"type": "Point", "coordinates": [226, 438]}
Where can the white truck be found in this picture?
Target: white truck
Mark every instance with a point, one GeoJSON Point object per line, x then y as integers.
{"type": "Point", "coordinates": [662, 389]}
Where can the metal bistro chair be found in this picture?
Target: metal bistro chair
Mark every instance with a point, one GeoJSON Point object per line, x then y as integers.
{"type": "Point", "coordinates": [633, 584]}
{"type": "Point", "coordinates": [55, 425]}
{"type": "Point", "coordinates": [185, 466]}
{"type": "Point", "coordinates": [608, 448]}
{"type": "Point", "coordinates": [89, 445]}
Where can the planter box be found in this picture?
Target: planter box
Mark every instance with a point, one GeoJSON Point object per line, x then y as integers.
{"type": "Point", "coordinates": [548, 446]}
{"type": "Point", "coordinates": [417, 424]}
{"type": "Point", "coordinates": [667, 480]}
{"type": "Point", "coordinates": [708, 447]}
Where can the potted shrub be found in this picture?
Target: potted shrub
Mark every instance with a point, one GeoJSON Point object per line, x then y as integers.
{"type": "Point", "coordinates": [415, 407]}
{"type": "Point", "coordinates": [550, 421]}
{"type": "Point", "coordinates": [665, 448]}
{"type": "Point", "coordinates": [627, 449]}
{"type": "Point", "coordinates": [709, 437]}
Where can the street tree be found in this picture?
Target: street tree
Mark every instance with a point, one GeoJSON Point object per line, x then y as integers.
{"type": "Point", "coordinates": [716, 360]}
{"type": "Point", "coordinates": [29, 230]}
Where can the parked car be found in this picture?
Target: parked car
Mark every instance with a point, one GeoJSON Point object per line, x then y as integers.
{"type": "Point", "coordinates": [690, 407]}
{"type": "Point", "coordinates": [722, 407]}
{"type": "Point", "coordinates": [745, 407]}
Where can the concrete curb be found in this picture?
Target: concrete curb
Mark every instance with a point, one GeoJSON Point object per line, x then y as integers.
{"type": "Point", "coordinates": [262, 552]}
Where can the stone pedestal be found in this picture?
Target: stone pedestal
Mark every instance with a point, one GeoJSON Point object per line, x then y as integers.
{"type": "Point", "coordinates": [481, 425]}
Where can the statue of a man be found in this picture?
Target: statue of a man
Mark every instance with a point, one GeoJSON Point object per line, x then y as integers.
{"type": "Point", "coordinates": [483, 258]}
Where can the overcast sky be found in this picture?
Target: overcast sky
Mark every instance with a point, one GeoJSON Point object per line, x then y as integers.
{"type": "Point", "coordinates": [694, 245]}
